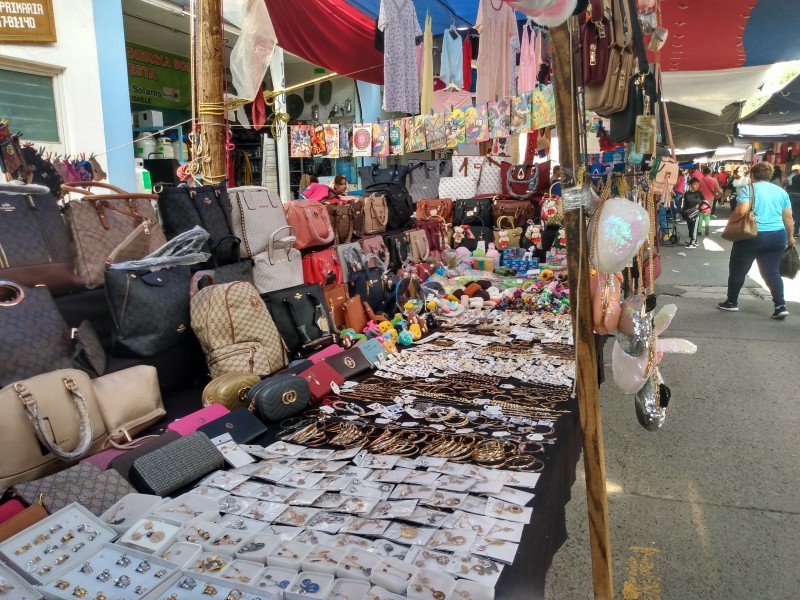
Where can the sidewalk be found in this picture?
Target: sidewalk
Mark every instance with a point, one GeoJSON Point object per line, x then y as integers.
{"type": "Point", "coordinates": [708, 507]}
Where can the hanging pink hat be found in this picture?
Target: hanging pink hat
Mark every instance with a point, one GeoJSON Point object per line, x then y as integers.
{"type": "Point", "coordinates": [550, 13]}
{"type": "Point", "coordinates": [316, 191]}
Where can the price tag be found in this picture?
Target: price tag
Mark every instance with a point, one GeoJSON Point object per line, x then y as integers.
{"type": "Point", "coordinates": [327, 409]}
{"type": "Point", "coordinates": [335, 388]}
{"type": "Point", "coordinates": [535, 437]}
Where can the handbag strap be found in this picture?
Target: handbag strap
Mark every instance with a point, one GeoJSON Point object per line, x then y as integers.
{"type": "Point", "coordinates": [84, 189]}
{"type": "Point", "coordinates": [502, 218]}
{"type": "Point", "coordinates": [86, 431]}
{"type": "Point", "coordinates": [752, 190]}
{"type": "Point", "coordinates": [271, 243]}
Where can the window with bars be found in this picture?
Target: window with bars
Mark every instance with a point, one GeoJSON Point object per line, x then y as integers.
{"type": "Point", "coordinates": [27, 101]}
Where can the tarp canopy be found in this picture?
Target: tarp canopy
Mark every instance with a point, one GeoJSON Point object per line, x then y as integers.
{"type": "Point", "coordinates": [783, 108]}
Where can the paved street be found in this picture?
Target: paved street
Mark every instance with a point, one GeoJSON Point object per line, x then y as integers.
{"type": "Point", "coordinates": [707, 508]}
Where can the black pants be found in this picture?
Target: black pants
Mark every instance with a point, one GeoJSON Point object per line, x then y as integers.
{"type": "Point", "coordinates": [766, 249]}
{"type": "Point", "coordinates": [795, 199]}
{"type": "Point", "coordinates": [691, 223]}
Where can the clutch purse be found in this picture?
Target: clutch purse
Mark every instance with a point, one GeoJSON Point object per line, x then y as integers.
{"type": "Point", "coordinates": [325, 353]}
{"type": "Point", "coordinates": [22, 519]}
{"type": "Point", "coordinates": [320, 377]}
{"type": "Point", "coordinates": [243, 426]}
{"type": "Point", "coordinates": [229, 389]}
{"type": "Point", "coordinates": [176, 465]}
{"type": "Point", "coordinates": [373, 351]}
{"type": "Point", "coordinates": [123, 464]}
{"type": "Point", "coordinates": [279, 397]}
{"type": "Point", "coordinates": [350, 363]}
{"type": "Point", "coordinates": [191, 423]}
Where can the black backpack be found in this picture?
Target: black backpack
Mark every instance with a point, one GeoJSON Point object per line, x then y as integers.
{"type": "Point", "coordinates": [399, 201]}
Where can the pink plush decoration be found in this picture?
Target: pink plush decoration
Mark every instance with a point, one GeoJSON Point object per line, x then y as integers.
{"type": "Point", "coordinates": [550, 13]}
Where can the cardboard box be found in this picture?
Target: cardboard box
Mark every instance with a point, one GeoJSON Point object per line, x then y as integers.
{"type": "Point", "coordinates": [149, 118]}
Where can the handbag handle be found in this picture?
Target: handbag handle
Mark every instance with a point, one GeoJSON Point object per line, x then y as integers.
{"type": "Point", "coordinates": [86, 431]}
{"type": "Point", "coordinates": [271, 243]}
{"type": "Point", "coordinates": [310, 220]}
{"type": "Point", "coordinates": [502, 218]}
{"type": "Point", "coordinates": [374, 210]}
{"type": "Point", "coordinates": [83, 188]}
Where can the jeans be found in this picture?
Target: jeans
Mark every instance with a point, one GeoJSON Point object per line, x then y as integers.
{"type": "Point", "coordinates": [766, 249]}
{"type": "Point", "coordinates": [662, 220]}
{"type": "Point", "coordinates": [676, 208]}
{"type": "Point", "coordinates": [795, 199]}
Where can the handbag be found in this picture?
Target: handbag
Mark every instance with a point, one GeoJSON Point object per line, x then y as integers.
{"type": "Point", "coordinates": [342, 221]}
{"type": "Point", "coordinates": [418, 245]}
{"type": "Point", "coordinates": [374, 175]}
{"type": "Point", "coordinates": [123, 463]}
{"type": "Point", "coordinates": [596, 37]}
{"type": "Point", "coordinates": [325, 353]}
{"type": "Point", "coordinates": [376, 215]}
{"type": "Point", "coordinates": [424, 175]}
{"type": "Point", "coordinates": [321, 378]}
{"type": "Point", "coordinates": [457, 188]}
{"type": "Point", "coordinates": [506, 237]}
{"type": "Point", "coordinates": [23, 519]}
{"type": "Point", "coordinates": [611, 93]}
{"type": "Point", "coordinates": [398, 201]}
{"type": "Point", "coordinates": [95, 490]}
{"type": "Point", "coordinates": [311, 223]}
{"type": "Point", "coordinates": [522, 182]}
{"type": "Point", "coordinates": [436, 232]}
{"type": "Point", "coordinates": [354, 315]}
{"type": "Point", "coordinates": [369, 283]}
{"type": "Point", "coordinates": [519, 211]}
{"type": "Point", "coordinates": [280, 267]}
{"type": "Point", "coordinates": [470, 236]}
{"type": "Point", "coordinates": [435, 208]}
{"type": "Point", "coordinates": [605, 294]}
{"type": "Point", "coordinates": [150, 308]}
{"type": "Point", "coordinates": [790, 262]}
{"type": "Point", "coordinates": [552, 210]}
{"type": "Point", "coordinates": [335, 296]}
{"type": "Point", "coordinates": [240, 424]}
{"type": "Point", "coordinates": [472, 211]}
{"type": "Point", "coordinates": [229, 389]}
{"type": "Point", "coordinates": [176, 465]}
{"type": "Point", "coordinates": [397, 251]}
{"type": "Point", "coordinates": [256, 213]}
{"type": "Point", "coordinates": [742, 224]}
{"type": "Point", "coordinates": [279, 397]}
{"type": "Point", "coordinates": [350, 363]}
{"type": "Point", "coordinates": [99, 223]}
{"type": "Point", "coordinates": [36, 339]}
{"type": "Point", "coordinates": [375, 246]}
{"type": "Point", "coordinates": [322, 267]}
{"type": "Point", "coordinates": [487, 170]}
{"type": "Point", "coordinates": [36, 245]}
{"type": "Point", "coordinates": [348, 253]}
{"type": "Point", "coordinates": [302, 319]}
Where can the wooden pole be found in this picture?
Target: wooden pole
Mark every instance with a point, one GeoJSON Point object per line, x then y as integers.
{"type": "Point", "coordinates": [586, 366]}
{"type": "Point", "coordinates": [210, 93]}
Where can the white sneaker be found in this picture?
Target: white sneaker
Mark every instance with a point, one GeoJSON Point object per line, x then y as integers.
{"type": "Point", "coordinates": [691, 246]}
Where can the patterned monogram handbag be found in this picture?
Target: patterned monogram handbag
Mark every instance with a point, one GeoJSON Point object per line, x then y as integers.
{"type": "Point", "coordinates": [257, 212]}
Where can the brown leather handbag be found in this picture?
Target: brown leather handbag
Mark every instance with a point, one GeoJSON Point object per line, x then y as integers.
{"type": "Point", "coordinates": [519, 211]}
{"type": "Point", "coordinates": [342, 221]}
{"type": "Point", "coordinates": [376, 214]}
{"type": "Point", "coordinates": [354, 314]}
{"type": "Point", "coordinates": [101, 222]}
{"type": "Point", "coordinates": [335, 297]}
{"type": "Point", "coordinates": [433, 208]}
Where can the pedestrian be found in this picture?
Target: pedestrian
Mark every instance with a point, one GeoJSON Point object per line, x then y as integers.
{"type": "Point", "coordinates": [795, 171]}
{"type": "Point", "coordinates": [793, 189]}
{"type": "Point", "coordinates": [777, 177]}
{"type": "Point", "coordinates": [664, 205]}
{"type": "Point", "coordinates": [732, 189]}
{"type": "Point", "coordinates": [722, 177]}
{"type": "Point", "coordinates": [691, 210]}
{"type": "Point", "coordinates": [678, 190]}
{"type": "Point", "coordinates": [775, 233]}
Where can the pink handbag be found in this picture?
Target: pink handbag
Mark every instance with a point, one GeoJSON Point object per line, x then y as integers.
{"type": "Point", "coordinates": [192, 422]}
{"type": "Point", "coordinates": [332, 350]}
{"type": "Point", "coordinates": [312, 225]}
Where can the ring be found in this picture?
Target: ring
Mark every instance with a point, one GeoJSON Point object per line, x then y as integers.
{"type": "Point", "coordinates": [122, 581]}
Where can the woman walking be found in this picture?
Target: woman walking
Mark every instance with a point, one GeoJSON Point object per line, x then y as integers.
{"type": "Point", "coordinates": [775, 231]}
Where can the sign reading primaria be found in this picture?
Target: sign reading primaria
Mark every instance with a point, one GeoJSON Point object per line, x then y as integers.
{"type": "Point", "coordinates": [158, 79]}
{"type": "Point", "coordinates": [26, 22]}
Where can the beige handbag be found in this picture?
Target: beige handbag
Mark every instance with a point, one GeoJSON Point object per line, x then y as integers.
{"type": "Point", "coordinates": [505, 234]}
{"type": "Point", "coordinates": [376, 214]}
{"type": "Point", "coordinates": [418, 245]}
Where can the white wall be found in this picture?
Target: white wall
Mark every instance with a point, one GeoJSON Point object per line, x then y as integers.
{"type": "Point", "coordinates": [343, 88]}
{"type": "Point", "coordinates": [73, 60]}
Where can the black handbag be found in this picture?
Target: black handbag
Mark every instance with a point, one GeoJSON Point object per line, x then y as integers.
{"type": "Point", "coordinates": [368, 283]}
{"type": "Point", "coordinates": [790, 263]}
{"type": "Point", "coordinates": [36, 247]}
{"type": "Point", "coordinates": [240, 423]}
{"type": "Point", "coordinates": [476, 234]}
{"type": "Point", "coordinates": [472, 211]}
{"type": "Point", "coordinates": [123, 463]}
{"type": "Point", "coordinates": [237, 271]}
{"type": "Point", "coordinates": [181, 208]}
{"type": "Point", "coordinates": [279, 397]}
{"type": "Point", "coordinates": [373, 174]}
{"type": "Point", "coordinates": [397, 244]}
{"type": "Point", "coordinates": [350, 363]}
{"type": "Point", "coordinates": [150, 309]}
{"type": "Point", "coordinates": [302, 318]}
{"type": "Point", "coordinates": [398, 201]}
{"type": "Point", "coordinates": [176, 465]}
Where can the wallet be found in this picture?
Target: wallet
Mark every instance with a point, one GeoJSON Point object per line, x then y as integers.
{"type": "Point", "coordinates": [22, 519]}
{"type": "Point", "coordinates": [373, 351]}
{"type": "Point", "coordinates": [297, 366]}
{"type": "Point", "coordinates": [325, 353]}
{"type": "Point", "coordinates": [191, 423]}
{"type": "Point", "coordinates": [350, 363]}
{"type": "Point", "coordinates": [122, 464]}
{"type": "Point", "coordinates": [176, 465]}
{"type": "Point", "coordinates": [319, 378]}
{"type": "Point", "coordinates": [244, 427]}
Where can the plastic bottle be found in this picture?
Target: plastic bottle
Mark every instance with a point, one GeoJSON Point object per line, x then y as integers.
{"type": "Point", "coordinates": [143, 183]}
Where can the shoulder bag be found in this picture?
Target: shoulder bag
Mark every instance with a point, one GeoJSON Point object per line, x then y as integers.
{"type": "Point", "coordinates": [519, 211]}
{"type": "Point", "coordinates": [354, 315]}
{"type": "Point", "coordinates": [472, 211]}
{"type": "Point", "coordinates": [369, 284]}
{"type": "Point", "coordinates": [348, 253]}
{"type": "Point", "coordinates": [311, 223]}
{"type": "Point", "coordinates": [322, 267]}
{"type": "Point", "coordinates": [665, 169]}
{"type": "Point", "coordinates": [99, 223]}
{"type": "Point", "coordinates": [36, 249]}
{"type": "Point", "coordinates": [485, 169]}
{"type": "Point", "coordinates": [418, 244]}
{"type": "Point", "coordinates": [506, 235]}
{"type": "Point", "coordinates": [280, 266]}
{"type": "Point", "coordinates": [376, 214]}
{"type": "Point", "coordinates": [472, 234]}
{"type": "Point", "coordinates": [399, 202]}
{"type": "Point", "coordinates": [279, 397]}
{"type": "Point", "coordinates": [435, 208]}
{"type": "Point", "coordinates": [457, 188]}
{"type": "Point", "coordinates": [230, 389]}
{"type": "Point", "coordinates": [423, 177]}
{"type": "Point", "coordinates": [397, 251]}
{"type": "Point", "coordinates": [335, 297]}
{"type": "Point", "coordinates": [436, 232]}
{"type": "Point", "coordinates": [523, 182]}
{"type": "Point", "coordinates": [743, 224]}
{"type": "Point", "coordinates": [342, 221]}
{"type": "Point", "coordinates": [302, 319]}
{"type": "Point", "coordinates": [256, 213]}
{"type": "Point", "coordinates": [611, 93]}
{"type": "Point", "coordinates": [596, 41]}
{"type": "Point", "coordinates": [373, 174]}
{"type": "Point", "coordinates": [375, 246]}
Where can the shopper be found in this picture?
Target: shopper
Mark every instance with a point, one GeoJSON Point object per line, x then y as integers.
{"type": "Point", "coordinates": [678, 190]}
{"type": "Point", "coordinates": [663, 227]}
{"type": "Point", "coordinates": [793, 190]}
{"type": "Point", "coordinates": [339, 185]}
{"type": "Point", "coordinates": [777, 177]}
{"type": "Point", "coordinates": [775, 231]}
{"type": "Point", "coordinates": [795, 171]}
{"type": "Point", "coordinates": [691, 210]}
{"type": "Point", "coordinates": [722, 177]}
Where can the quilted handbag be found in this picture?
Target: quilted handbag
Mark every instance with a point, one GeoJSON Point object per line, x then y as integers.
{"type": "Point", "coordinates": [376, 214]}
{"type": "Point", "coordinates": [354, 315]}
{"type": "Point", "coordinates": [321, 378]}
{"type": "Point", "coordinates": [485, 169]}
{"type": "Point", "coordinates": [506, 235]}
{"type": "Point", "coordinates": [373, 174]}
{"type": "Point", "coordinates": [523, 182]}
{"type": "Point", "coordinates": [457, 188]}
{"type": "Point", "coordinates": [519, 211]}
{"type": "Point", "coordinates": [472, 211]}
{"type": "Point", "coordinates": [150, 308]}
{"type": "Point", "coordinates": [350, 363]}
{"type": "Point", "coordinates": [280, 267]}
{"type": "Point", "coordinates": [35, 336]}
{"type": "Point", "coordinates": [176, 465]}
{"type": "Point", "coordinates": [181, 208]}
{"type": "Point", "coordinates": [85, 484]}
{"type": "Point", "coordinates": [302, 318]}
{"type": "Point", "coordinates": [322, 267]}
{"type": "Point", "coordinates": [36, 245]}
{"type": "Point", "coordinates": [335, 297]}
{"type": "Point", "coordinates": [99, 223]}
{"type": "Point", "coordinates": [256, 213]}
{"type": "Point", "coordinates": [418, 245]}
{"type": "Point", "coordinates": [401, 206]}
{"type": "Point", "coordinates": [229, 390]}
{"type": "Point", "coordinates": [311, 223]}
{"type": "Point", "coordinates": [348, 253]}
{"type": "Point", "coordinates": [423, 177]}
{"type": "Point", "coordinates": [277, 398]}
{"type": "Point", "coordinates": [235, 329]}
{"type": "Point", "coordinates": [436, 232]}
{"type": "Point", "coordinates": [435, 208]}
{"type": "Point", "coordinates": [342, 221]}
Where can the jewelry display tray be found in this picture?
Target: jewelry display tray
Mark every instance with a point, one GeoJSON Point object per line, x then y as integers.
{"type": "Point", "coordinates": [69, 519]}
{"type": "Point", "coordinates": [223, 587]}
{"type": "Point", "coordinates": [21, 589]}
{"type": "Point", "coordinates": [106, 557]}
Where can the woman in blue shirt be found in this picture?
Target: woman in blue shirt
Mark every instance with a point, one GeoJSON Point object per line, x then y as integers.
{"type": "Point", "coordinates": [775, 232]}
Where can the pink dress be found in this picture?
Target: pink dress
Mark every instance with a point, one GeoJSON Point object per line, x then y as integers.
{"type": "Point", "coordinates": [528, 68]}
{"type": "Point", "coordinates": [496, 27]}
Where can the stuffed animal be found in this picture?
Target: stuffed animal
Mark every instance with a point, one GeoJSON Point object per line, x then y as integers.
{"type": "Point", "coordinates": [492, 252]}
{"type": "Point", "coordinates": [502, 238]}
{"type": "Point", "coordinates": [562, 238]}
{"type": "Point", "coordinates": [372, 330]}
{"type": "Point", "coordinates": [385, 326]}
{"type": "Point", "coordinates": [405, 338]}
{"type": "Point", "coordinates": [534, 234]}
{"type": "Point", "coordinates": [459, 231]}
{"type": "Point", "coordinates": [415, 330]}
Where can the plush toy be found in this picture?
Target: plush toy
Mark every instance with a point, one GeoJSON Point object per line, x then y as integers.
{"type": "Point", "coordinates": [405, 338]}
{"type": "Point", "coordinates": [502, 238]}
{"type": "Point", "coordinates": [476, 302]}
{"type": "Point", "coordinates": [463, 256]}
{"type": "Point", "coordinates": [347, 336]}
{"type": "Point", "coordinates": [392, 333]}
{"type": "Point", "coordinates": [388, 345]}
{"type": "Point", "coordinates": [494, 294]}
{"type": "Point", "coordinates": [459, 232]}
{"type": "Point", "coordinates": [562, 238]}
{"type": "Point", "coordinates": [546, 275]}
{"type": "Point", "coordinates": [415, 330]}
{"type": "Point", "coordinates": [385, 326]}
{"type": "Point", "coordinates": [372, 330]}
{"type": "Point", "coordinates": [492, 252]}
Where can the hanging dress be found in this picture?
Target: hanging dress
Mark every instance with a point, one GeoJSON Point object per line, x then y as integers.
{"type": "Point", "coordinates": [528, 67]}
{"type": "Point", "coordinates": [426, 100]}
{"type": "Point", "coordinates": [398, 21]}
{"type": "Point", "coordinates": [496, 26]}
{"type": "Point", "coordinates": [451, 71]}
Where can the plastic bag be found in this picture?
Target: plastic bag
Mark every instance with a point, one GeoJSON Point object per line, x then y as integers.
{"type": "Point", "coordinates": [253, 50]}
{"type": "Point", "coordinates": [790, 262]}
{"type": "Point", "coordinates": [183, 249]}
